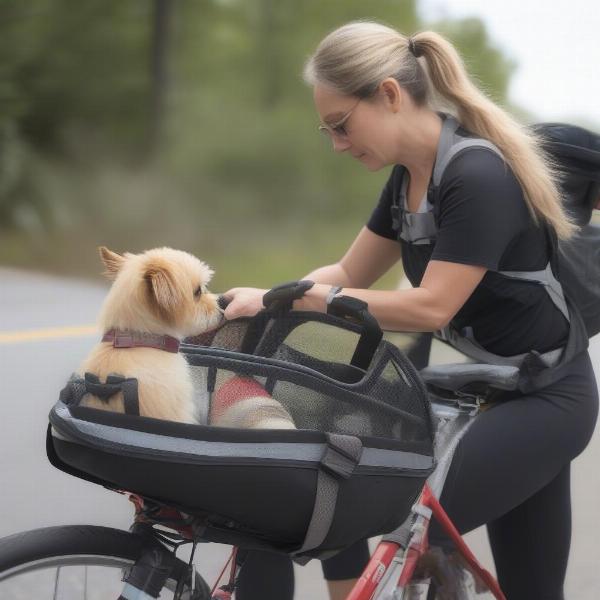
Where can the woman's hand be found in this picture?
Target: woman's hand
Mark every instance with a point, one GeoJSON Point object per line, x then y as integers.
{"type": "Point", "coordinates": [243, 302]}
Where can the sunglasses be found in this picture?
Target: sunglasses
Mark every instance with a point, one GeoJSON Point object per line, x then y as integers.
{"type": "Point", "coordinates": [338, 129]}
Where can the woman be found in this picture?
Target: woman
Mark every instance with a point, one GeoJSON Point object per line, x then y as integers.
{"type": "Point", "coordinates": [378, 94]}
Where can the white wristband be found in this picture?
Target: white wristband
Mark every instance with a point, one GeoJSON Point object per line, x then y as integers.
{"type": "Point", "coordinates": [335, 289]}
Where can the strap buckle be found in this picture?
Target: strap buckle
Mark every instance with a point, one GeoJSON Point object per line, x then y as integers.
{"type": "Point", "coordinates": [123, 340]}
{"type": "Point", "coordinates": [340, 462]}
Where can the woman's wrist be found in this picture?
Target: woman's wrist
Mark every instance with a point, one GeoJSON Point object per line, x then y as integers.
{"type": "Point", "coordinates": [314, 299]}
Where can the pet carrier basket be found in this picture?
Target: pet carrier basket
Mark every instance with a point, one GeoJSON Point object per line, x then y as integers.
{"type": "Point", "coordinates": [349, 467]}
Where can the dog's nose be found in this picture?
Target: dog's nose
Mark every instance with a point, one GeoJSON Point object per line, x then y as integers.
{"type": "Point", "coordinates": [222, 302]}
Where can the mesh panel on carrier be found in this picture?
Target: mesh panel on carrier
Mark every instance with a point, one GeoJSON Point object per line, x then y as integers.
{"type": "Point", "coordinates": [302, 446]}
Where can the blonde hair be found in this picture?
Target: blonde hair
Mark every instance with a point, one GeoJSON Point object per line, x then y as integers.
{"type": "Point", "coordinates": [354, 59]}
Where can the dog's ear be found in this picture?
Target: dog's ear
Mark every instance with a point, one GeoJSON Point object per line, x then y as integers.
{"type": "Point", "coordinates": [166, 294]}
{"type": "Point", "coordinates": [112, 261]}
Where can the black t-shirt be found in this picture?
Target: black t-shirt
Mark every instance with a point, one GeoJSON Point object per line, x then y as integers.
{"type": "Point", "coordinates": [484, 220]}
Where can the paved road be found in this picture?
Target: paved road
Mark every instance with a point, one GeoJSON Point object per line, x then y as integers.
{"type": "Point", "coordinates": [34, 367]}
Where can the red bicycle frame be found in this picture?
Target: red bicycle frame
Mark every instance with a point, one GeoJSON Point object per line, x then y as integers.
{"type": "Point", "coordinates": [428, 505]}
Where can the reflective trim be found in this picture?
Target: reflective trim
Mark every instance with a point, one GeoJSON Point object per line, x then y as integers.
{"type": "Point", "coordinates": [164, 443]}
{"type": "Point", "coordinates": [132, 593]}
{"type": "Point", "coordinates": [288, 451]}
{"type": "Point", "coordinates": [377, 457]}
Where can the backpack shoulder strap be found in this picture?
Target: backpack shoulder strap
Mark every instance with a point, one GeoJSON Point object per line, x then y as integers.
{"type": "Point", "coordinates": [449, 146]}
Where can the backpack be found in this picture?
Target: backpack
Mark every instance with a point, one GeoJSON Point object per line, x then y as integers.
{"type": "Point", "coordinates": [577, 152]}
{"type": "Point", "coordinates": [572, 276]}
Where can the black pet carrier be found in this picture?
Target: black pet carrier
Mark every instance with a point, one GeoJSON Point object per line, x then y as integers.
{"type": "Point", "coordinates": [348, 464]}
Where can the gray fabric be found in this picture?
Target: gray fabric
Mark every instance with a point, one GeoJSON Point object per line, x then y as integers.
{"type": "Point", "coordinates": [127, 438]}
{"type": "Point", "coordinates": [394, 459]}
{"type": "Point", "coordinates": [465, 343]}
{"type": "Point", "coordinates": [132, 593]}
{"type": "Point", "coordinates": [458, 147]}
{"type": "Point", "coordinates": [417, 228]}
{"type": "Point", "coordinates": [455, 376]}
{"type": "Point", "coordinates": [400, 536]}
{"type": "Point", "coordinates": [420, 229]}
{"type": "Point", "coordinates": [546, 278]}
{"type": "Point", "coordinates": [323, 511]}
{"type": "Point", "coordinates": [341, 456]}
{"type": "Point", "coordinates": [448, 138]}
{"type": "Point", "coordinates": [346, 448]}
{"type": "Point", "coordinates": [163, 443]}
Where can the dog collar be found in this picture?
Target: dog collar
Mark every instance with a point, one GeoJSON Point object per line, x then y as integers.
{"type": "Point", "coordinates": [138, 339]}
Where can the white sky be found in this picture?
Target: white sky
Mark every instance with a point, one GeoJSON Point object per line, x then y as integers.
{"type": "Point", "coordinates": [556, 44]}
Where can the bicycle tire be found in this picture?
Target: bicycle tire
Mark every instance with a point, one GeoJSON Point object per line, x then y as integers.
{"type": "Point", "coordinates": [71, 545]}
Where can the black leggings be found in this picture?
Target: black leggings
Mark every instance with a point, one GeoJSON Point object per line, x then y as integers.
{"type": "Point", "coordinates": [511, 472]}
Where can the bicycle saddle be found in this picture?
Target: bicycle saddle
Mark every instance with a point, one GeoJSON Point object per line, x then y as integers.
{"type": "Point", "coordinates": [456, 377]}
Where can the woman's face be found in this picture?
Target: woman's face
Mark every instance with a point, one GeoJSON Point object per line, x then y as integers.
{"type": "Point", "coordinates": [369, 129]}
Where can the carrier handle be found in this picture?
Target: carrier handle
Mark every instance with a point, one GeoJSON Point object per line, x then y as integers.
{"type": "Point", "coordinates": [281, 297]}
{"type": "Point", "coordinates": [348, 306]}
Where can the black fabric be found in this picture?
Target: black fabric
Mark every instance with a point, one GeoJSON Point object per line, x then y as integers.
{"type": "Point", "coordinates": [388, 405]}
{"type": "Point", "coordinates": [270, 576]}
{"type": "Point", "coordinates": [264, 576]}
{"type": "Point", "coordinates": [347, 306]}
{"type": "Point", "coordinates": [348, 564]}
{"type": "Point", "coordinates": [113, 385]}
{"type": "Point", "coordinates": [511, 471]}
{"type": "Point", "coordinates": [578, 153]}
{"type": "Point", "coordinates": [484, 221]}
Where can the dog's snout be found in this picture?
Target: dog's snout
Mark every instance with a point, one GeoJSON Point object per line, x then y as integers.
{"type": "Point", "coordinates": [222, 302]}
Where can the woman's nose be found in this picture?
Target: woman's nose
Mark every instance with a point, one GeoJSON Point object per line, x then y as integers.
{"type": "Point", "coordinates": [340, 144]}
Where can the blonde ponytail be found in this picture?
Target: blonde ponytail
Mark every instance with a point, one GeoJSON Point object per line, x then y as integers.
{"type": "Point", "coordinates": [356, 57]}
{"type": "Point", "coordinates": [522, 150]}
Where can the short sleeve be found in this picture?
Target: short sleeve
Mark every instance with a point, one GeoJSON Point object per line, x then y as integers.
{"type": "Point", "coordinates": [481, 212]}
{"type": "Point", "coordinates": [380, 221]}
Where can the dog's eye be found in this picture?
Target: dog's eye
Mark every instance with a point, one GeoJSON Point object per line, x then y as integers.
{"type": "Point", "coordinates": [198, 292]}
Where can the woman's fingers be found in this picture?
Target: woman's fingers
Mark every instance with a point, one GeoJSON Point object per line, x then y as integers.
{"type": "Point", "coordinates": [243, 302]}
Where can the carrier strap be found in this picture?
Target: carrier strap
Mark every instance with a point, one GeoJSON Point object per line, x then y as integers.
{"type": "Point", "coordinates": [341, 456]}
{"type": "Point", "coordinates": [450, 153]}
{"type": "Point", "coordinates": [547, 279]}
{"type": "Point", "coordinates": [465, 342]}
{"type": "Point", "coordinates": [421, 228]}
{"type": "Point", "coordinates": [114, 384]}
{"type": "Point", "coordinates": [416, 228]}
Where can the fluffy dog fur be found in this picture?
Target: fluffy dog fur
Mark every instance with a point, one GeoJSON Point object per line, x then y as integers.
{"type": "Point", "coordinates": [161, 291]}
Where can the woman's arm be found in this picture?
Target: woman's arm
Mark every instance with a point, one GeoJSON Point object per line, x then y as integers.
{"type": "Point", "coordinates": [367, 259]}
{"type": "Point", "coordinates": [445, 287]}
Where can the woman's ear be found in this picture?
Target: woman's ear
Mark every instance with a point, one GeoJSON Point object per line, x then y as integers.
{"type": "Point", "coordinates": [392, 93]}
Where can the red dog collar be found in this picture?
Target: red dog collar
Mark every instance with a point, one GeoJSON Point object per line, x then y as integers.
{"type": "Point", "coordinates": [138, 339]}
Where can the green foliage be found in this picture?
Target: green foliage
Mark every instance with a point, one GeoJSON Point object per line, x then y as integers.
{"type": "Point", "coordinates": [241, 175]}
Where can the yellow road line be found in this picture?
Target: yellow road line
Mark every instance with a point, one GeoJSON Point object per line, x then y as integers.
{"type": "Point", "coordinates": [14, 337]}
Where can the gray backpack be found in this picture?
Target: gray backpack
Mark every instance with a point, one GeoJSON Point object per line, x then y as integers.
{"type": "Point", "coordinates": [572, 276]}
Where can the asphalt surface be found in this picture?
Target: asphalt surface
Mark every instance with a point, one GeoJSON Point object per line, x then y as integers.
{"type": "Point", "coordinates": [35, 363]}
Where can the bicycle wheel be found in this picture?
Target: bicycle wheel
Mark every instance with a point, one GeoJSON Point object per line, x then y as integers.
{"type": "Point", "coordinates": [77, 562]}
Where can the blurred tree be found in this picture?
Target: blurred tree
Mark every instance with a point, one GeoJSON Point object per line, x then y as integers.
{"type": "Point", "coordinates": [76, 67]}
{"type": "Point", "coordinates": [211, 90]}
{"type": "Point", "coordinates": [161, 33]}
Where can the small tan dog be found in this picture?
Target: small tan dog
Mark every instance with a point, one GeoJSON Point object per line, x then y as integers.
{"type": "Point", "coordinates": [157, 299]}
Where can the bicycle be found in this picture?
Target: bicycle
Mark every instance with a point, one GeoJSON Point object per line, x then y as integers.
{"type": "Point", "coordinates": [143, 562]}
